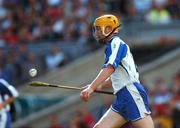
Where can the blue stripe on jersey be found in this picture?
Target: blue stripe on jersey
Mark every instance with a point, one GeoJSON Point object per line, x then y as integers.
{"type": "Point", "coordinates": [124, 68]}
{"type": "Point", "coordinates": [4, 90]}
{"type": "Point", "coordinates": [122, 51]}
{"type": "Point", "coordinates": [7, 88]}
{"type": "Point", "coordinates": [108, 52]}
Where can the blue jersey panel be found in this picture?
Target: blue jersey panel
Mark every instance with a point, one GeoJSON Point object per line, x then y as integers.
{"type": "Point", "coordinates": [118, 56]}
{"type": "Point", "coordinates": [4, 90]}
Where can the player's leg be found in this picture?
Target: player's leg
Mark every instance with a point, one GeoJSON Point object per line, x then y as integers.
{"type": "Point", "coordinates": [145, 122]}
{"type": "Point", "coordinates": [110, 119]}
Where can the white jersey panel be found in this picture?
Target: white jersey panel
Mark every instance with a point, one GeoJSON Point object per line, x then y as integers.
{"type": "Point", "coordinates": [125, 73]}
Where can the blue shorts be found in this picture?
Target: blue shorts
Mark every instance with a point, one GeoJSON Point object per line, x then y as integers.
{"type": "Point", "coordinates": [131, 102]}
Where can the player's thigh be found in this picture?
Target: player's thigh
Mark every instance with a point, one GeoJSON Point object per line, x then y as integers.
{"type": "Point", "coordinates": [110, 119]}
{"type": "Point", "coordinates": [145, 122]}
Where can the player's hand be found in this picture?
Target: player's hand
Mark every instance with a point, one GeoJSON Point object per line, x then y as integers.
{"type": "Point", "coordinates": [86, 92]}
{"type": "Point", "coordinates": [1, 106]}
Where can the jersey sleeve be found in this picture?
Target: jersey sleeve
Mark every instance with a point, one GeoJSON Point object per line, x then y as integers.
{"type": "Point", "coordinates": [8, 89]}
{"type": "Point", "coordinates": [117, 51]}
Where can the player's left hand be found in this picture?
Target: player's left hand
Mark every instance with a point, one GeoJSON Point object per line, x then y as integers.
{"type": "Point", "coordinates": [86, 92]}
{"type": "Point", "coordinates": [1, 106]}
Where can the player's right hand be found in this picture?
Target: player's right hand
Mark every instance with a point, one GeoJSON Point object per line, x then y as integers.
{"type": "Point", "coordinates": [86, 92]}
{"type": "Point", "coordinates": [1, 106]}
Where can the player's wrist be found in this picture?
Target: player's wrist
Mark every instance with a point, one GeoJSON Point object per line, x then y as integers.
{"type": "Point", "coordinates": [92, 87]}
{"type": "Point", "coordinates": [100, 87]}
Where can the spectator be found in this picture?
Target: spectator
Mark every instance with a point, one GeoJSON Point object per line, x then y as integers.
{"type": "Point", "coordinates": [54, 122]}
{"type": "Point", "coordinates": [161, 97]}
{"type": "Point", "coordinates": [11, 68]}
{"type": "Point", "coordinates": [174, 9]}
{"type": "Point", "coordinates": [175, 101]}
{"type": "Point", "coordinates": [4, 73]}
{"type": "Point", "coordinates": [55, 58]}
{"type": "Point", "coordinates": [158, 15]}
{"type": "Point", "coordinates": [142, 6]}
{"type": "Point", "coordinates": [58, 27]}
{"type": "Point", "coordinates": [77, 121]}
{"type": "Point", "coordinates": [23, 52]}
{"type": "Point", "coordinates": [85, 117]}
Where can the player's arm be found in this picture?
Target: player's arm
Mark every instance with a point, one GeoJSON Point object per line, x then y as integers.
{"type": "Point", "coordinates": [119, 51]}
{"type": "Point", "coordinates": [7, 102]}
{"type": "Point", "coordinates": [9, 90]}
{"type": "Point", "coordinates": [106, 84]}
{"type": "Point", "coordinates": [101, 77]}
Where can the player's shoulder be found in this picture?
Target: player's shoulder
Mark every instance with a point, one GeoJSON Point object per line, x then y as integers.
{"type": "Point", "coordinates": [4, 82]}
{"type": "Point", "coordinates": [117, 40]}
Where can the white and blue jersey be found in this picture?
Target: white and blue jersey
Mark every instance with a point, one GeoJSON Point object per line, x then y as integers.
{"type": "Point", "coordinates": [6, 90]}
{"type": "Point", "coordinates": [131, 102]}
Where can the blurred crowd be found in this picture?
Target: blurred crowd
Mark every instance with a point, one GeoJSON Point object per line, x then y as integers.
{"type": "Point", "coordinates": [164, 101]}
{"type": "Point", "coordinates": [24, 22]}
{"type": "Point", "coordinates": [16, 62]}
{"type": "Point", "coordinates": [35, 20]}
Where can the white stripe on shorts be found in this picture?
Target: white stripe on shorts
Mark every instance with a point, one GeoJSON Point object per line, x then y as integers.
{"type": "Point", "coordinates": [138, 101]}
{"type": "Point", "coordinates": [3, 120]}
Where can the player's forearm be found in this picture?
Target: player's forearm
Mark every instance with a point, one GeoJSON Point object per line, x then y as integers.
{"type": "Point", "coordinates": [102, 76]}
{"type": "Point", "coordinates": [106, 84]}
{"type": "Point", "coordinates": [8, 101]}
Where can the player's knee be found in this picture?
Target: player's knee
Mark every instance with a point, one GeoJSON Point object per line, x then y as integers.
{"type": "Point", "coordinates": [97, 126]}
{"type": "Point", "coordinates": [144, 122]}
